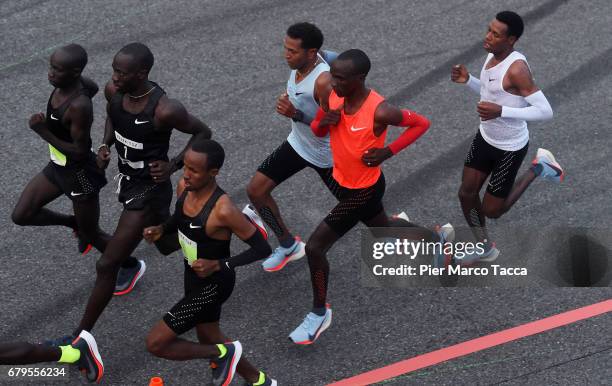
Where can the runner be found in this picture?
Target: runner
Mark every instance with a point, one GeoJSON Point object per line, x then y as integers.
{"type": "Point", "coordinates": [72, 170]}
{"type": "Point", "coordinates": [508, 98]}
{"type": "Point", "coordinates": [357, 123]}
{"type": "Point", "coordinates": [206, 218]}
{"type": "Point", "coordinates": [308, 87]}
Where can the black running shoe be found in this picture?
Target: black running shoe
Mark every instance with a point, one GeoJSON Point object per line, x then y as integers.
{"type": "Point", "coordinates": [84, 247]}
{"type": "Point", "coordinates": [223, 369]}
{"type": "Point", "coordinates": [127, 278]}
{"type": "Point", "coordinates": [90, 362]}
{"type": "Point", "coordinates": [65, 340]}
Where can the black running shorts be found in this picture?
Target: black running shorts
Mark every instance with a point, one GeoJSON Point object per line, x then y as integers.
{"type": "Point", "coordinates": [136, 194]}
{"type": "Point", "coordinates": [284, 162]}
{"type": "Point", "coordinates": [78, 182]}
{"type": "Point", "coordinates": [503, 166]}
{"type": "Point", "coordinates": [355, 205]}
{"type": "Point", "coordinates": [202, 302]}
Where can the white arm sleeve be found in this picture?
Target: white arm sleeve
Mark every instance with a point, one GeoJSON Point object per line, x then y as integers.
{"type": "Point", "coordinates": [539, 110]}
{"type": "Point", "coordinates": [474, 84]}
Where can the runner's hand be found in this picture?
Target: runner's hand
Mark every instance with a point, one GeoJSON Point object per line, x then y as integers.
{"type": "Point", "coordinates": [205, 267]}
{"type": "Point", "coordinates": [36, 121]}
{"type": "Point", "coordinates": [152, 234]}
{"type": "Point", "coordinates": [331, 118]}
{"type": "Point", "coordinates": [488, 110]}
{"type": "Point", "coordinates": [459, 74]}
{"type": "Point", "coordinates": [103, 158]}
{"type": "Point", "coordinates": [375, 156]}
{"type": "Point", "coordinates": [160, 170]}
{"type": "Point", "coordinates": [284, 106]}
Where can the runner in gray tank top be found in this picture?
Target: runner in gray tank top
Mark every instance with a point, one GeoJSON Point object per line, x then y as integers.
{"type": "Point", "coordinates": [308, 88]}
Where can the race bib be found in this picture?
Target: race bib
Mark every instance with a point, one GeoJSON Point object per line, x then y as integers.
{"type": "Point", "coordinates": [189, 248]}
{"type": "Point", "coordinates": [57, 156]}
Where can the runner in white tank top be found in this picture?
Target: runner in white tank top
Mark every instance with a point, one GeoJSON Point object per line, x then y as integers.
{"type": "Point", "coordinates": [508, 99]}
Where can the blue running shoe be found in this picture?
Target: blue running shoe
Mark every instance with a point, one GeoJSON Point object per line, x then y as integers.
{"type": "Point", "coordinates": [223, 369]}
{"type": "Point", "coordinates": [551, 170]}
{"type": "Point", "coordinates": [90, 362]}
{"type": "Point", "coordinates": [128, 277]}
{"type": "Point", "coordinates": [490, 254]}
{"type": "Point", "coordinates": [281, 256]}
{"type": "Point", "coordinates": [63, 341]}
{"type": "Point", "coordinates": [312, 326]}
{"type": "Point", "coordinates": [447, 235]}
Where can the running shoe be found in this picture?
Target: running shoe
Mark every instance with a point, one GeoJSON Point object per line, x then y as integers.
{"type": "Point", "coordinates": [128, 277]}
{"type": "Point", "coordinates": [312, 326]}
{"type": "Point", "coordinates": [90, 362]}
{"type": "Point", "coordinates": [264, 380]}
{"type": "Point", "coordinates": [402, 216]}
{"type": "Point", "coordinates": [490, 254]}
{"type": "Point", "coordinates": [447, 235]}
{"type": "Point", "coordinates": [250, 212]}
{"type": "Point", "coordinates": [83, 246]}
{"type": "Point", "coordinates": [223, 369]}
{"type": "Point", "coordinates": [62, 341]}
{"type": "Point", "coordinates": [281, 256]}
{"type": "Point", "coordinates": [551, 170]}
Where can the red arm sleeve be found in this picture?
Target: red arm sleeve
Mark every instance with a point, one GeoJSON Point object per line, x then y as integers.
{"type": "Point", "coordinates": [416, 125]}
{"type": "Point", "coordinates": [314, 125]}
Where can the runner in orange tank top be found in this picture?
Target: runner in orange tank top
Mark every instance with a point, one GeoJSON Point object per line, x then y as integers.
{"type": "Point", "coordinates": [357, 123]}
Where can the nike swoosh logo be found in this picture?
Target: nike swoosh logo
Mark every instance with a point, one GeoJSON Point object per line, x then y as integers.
{"type": "Point", "coordinates": [194, 226]}
{"type": "Point", "coordinates": [130, 200]}
{"type": "Point", "coordinates": [491, 80]}
{"type": "Point", "coordinates": [55, 119]}
{"type": "Point", "coordinates": [357, 128]}
{"type": "Point", "coordinates": [73, 194]}
{"type": "Point", "coordinates": [227, 265]}
{"type": "Point", "coordinates": [553, 167]}
{"type": "Point", "coordinates": [139, 122]}
{"type": "Point", "coordinates": [298, 93]}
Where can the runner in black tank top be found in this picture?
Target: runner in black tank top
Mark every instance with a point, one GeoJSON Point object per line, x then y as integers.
{"type": "Point", "coordinates": [205, 219]}
{"type": "Point", "coordinates": [73, 172]}
{"type": "Point", "coordinates": [146, 198]}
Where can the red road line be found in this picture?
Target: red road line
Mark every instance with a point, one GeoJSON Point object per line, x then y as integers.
{"type": "Point", "coordinates": [474, 345]}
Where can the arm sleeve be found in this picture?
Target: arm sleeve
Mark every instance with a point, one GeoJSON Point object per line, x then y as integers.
{"type": "Point", "coordinates": [314, 125]}
{"type": "Point", "coordinates": [416, 125]}
{"type": "Point", "coordinates": [539, 109]}
{"type": "Point", "coordinates": [259, 249]}
{"type": "Point", "coordinates": [171, 224]}
{"type": "Point", "coordinates": [474, 84]}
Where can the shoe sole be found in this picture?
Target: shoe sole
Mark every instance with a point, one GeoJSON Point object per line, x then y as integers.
{"type": "Point", "coordinates": [296, 256]}
{"type": "Point", "coordinates": [234, 363]}
{"type": "Point", "coordinates": [493, 256]}
{"type": "Point", "coordinates": [546, 153]}
{"type": "Point", "coordinates": [323, 327]}
{"type": "Point", "coordinates": [134, 281]}
{"type": "Point", "coordinates": [93, 350]}
{"type": "Point", "coordinates": [256, 220]}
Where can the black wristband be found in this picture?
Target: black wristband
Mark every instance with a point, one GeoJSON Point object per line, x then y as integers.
{"type": "Point", "coordinates": [298, 116]}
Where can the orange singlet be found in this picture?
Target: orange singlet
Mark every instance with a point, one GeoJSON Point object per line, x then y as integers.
{"type": "Point", "coordinates": [349, 140]}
